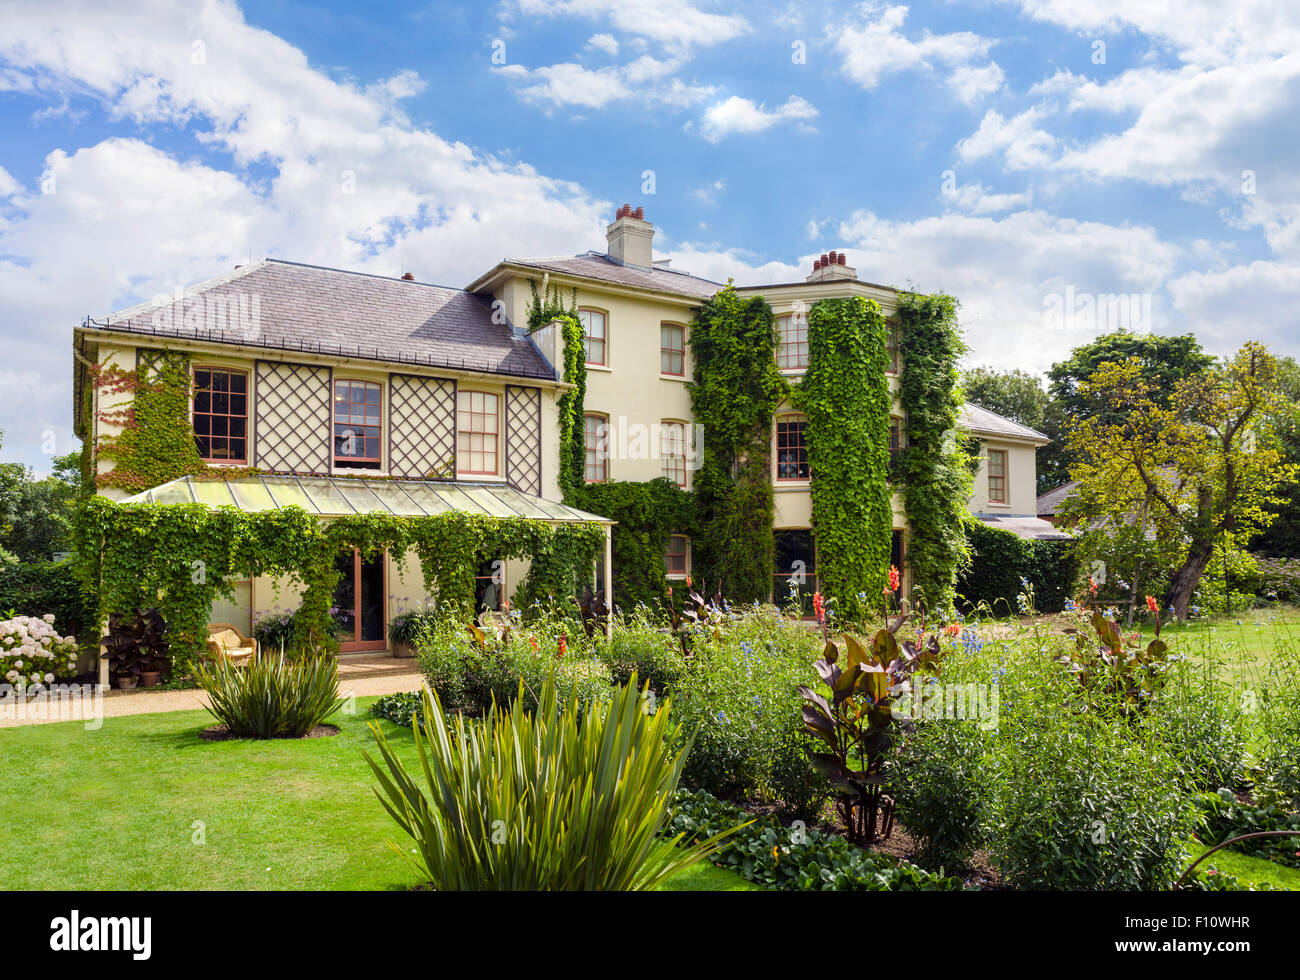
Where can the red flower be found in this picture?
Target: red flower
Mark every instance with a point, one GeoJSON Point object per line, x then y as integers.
{"type": "Point", "coordinates": [952, 629]}
{"type": "Point", "coordinates": [563, 645]}
{"type": "Point", "coordinates": [1152, 604]}
{"type": "Point", "coordinates": [819, 608]}
{"type": "Point", "coordinates": [688, 582]}
{"type": "Point", "coordinates": [894, 579]}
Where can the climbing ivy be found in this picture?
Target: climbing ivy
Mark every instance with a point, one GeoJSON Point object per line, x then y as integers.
{"type": "Point", "coordinates": [551, 309]}
{"type": "Point", "coordinates": [180, 557]}
{"type": "Point", "coordinates": [155, 443]}
{"type": "Point", "coordinates": [734, 392]}
{"type": "Point", "coordinates": [935, 473]}
{"type": "Point", "coordinates": [647, 514]}
{"type": "Point", "coordinates": [845, 395]}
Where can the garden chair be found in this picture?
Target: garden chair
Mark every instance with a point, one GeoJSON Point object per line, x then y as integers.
{"type": "Point", "coordinates": [226, 642]}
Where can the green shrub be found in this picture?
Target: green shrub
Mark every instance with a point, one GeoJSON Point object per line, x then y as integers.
{"type": "Point", "coordinates": [41, 587]}
{"type": "Point", "coordinates": [558, 799]}
{"type": "Point", "coordinates": [1278, 726]}
{"type": "Point", "coordinates": [940, 792]}
{"type": "Point", "coordinates": [1080, 804]}
{"type": "Point", "coordinates": [271, 697]}
{"type": "Point", "coordinates": [1198, 719]}
{"type": "Point", "coordinates": [739, 698]}
{"type": "Point", "coordinates": [1226, 818]}
{"type": "Point", "coordinates": [469, 676]}
{"type": "Point", "coordinates": [639, 645]}
{"type": "Point", "coordinates": [400, 708]}
{"type": "Point", "coordinates": [795, 858]}
{"type": "Point", "coordinates": [1000, 560]}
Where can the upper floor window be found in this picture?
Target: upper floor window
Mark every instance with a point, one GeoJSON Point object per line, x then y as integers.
{"type": "Point", "coordinates": [357, 406]}
{"type": "Point", "coordinates": [891, 345]}
{"type": "Point", "coordinates": [672, 450]}
{"type": "Point", "coordinates": [998, 476]}
{"type": "Point", "coordinates": [221, 415]}
{"type": "Point", "coordinates": [672, 349]}
{"type": "Point", "coordinates": [597, 455]}
{"type": "Point", "coordinates": [791, 447]}
{"type": "Point", "coordinates": [792, 342]}
{"type": "Point", "coordinates": [593, 335]}
{"type": "Point", "coordinates": [677, 557]}
{"type": "Point", "coordinates": [895, 435]}
{"type": "Point", "coordinates": [476, 432]}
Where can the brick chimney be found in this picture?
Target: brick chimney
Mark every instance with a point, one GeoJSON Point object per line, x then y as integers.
{"type": "Point", "coordinates": [832, 265]}
{"type": "Point", "coordinates": [630, 238]}
{"type": "Point", "coordinates": [408, 276]}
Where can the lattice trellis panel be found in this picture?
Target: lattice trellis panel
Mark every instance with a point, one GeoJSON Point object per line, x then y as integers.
{"type": "Point", "coordinates": [524, 438]}
{"type": "Point", "coordinates": [293, 417]}
{"type": "Point", "coordinates": [149, 360]}
{"type": "Point", "coordinates": [421, 427]}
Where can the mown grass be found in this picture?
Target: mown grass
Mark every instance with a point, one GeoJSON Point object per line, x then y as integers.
{"type": "Point", "coordinates": [144, 804]}
{"type": "Point", "coordinates": [1253, 870]}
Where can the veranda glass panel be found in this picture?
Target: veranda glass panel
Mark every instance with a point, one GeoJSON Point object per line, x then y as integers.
{"type": "Point", "coordinates": [215, 493]}
{"type": "Point", "coordinates": [396, 500]}
{"type": "Point", "coordinates": [326, 497]}
{"type": "Point", "coordinates": [425, 498]}
{"type": "Point", "coordinates": [252, 497]}
{"type": "Point", "coordinates": [287, 493]}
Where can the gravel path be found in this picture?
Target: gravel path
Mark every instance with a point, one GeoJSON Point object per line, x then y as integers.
{"type": "Point", "coordinates": [119, 703]}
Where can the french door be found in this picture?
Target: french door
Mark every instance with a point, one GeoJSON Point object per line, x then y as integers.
{"type": "Point", "coordinates": [359, 602]}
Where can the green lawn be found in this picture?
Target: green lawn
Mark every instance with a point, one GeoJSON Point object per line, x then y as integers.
{"type": "Point", "coordinates": [1245, 644]}
{"type": "Point", "coordinates": [144, 804]}
{"type": "Point", "coordinates": [1253, 870]}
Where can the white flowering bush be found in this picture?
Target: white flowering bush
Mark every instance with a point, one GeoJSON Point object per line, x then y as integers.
{"type": "Point", "coordinates": [32, 652]}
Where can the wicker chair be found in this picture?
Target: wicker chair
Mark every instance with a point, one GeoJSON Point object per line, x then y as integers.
{"type": "Point", "coordinates": [226, 642]}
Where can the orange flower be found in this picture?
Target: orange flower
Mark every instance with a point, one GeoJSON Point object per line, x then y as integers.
{"type": "Point", "coordinates": [563, 645]}
{"type": "Point", "coordinates": [1152, 604]}
{"type": "Point", "coordinates": [894, 578]}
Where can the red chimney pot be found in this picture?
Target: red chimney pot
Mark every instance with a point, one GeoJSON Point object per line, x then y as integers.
{"type": "Point", "coordinates": [842, 262]}
{"type": "Point", "coordinates": [408, 276]}
{"type": "Point", "coordinates": [640, 214]}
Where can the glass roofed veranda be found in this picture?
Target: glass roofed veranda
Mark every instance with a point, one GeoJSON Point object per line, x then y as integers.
{"type": "Point", "coordinates": [328, 496]}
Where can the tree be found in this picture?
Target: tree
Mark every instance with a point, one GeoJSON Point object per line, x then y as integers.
{"type": "Point", "coordinates": [1203, 459]}
{"type": "Point", "coordinates": [1282, 539]}
{"type": "Point", "coordinates": [1017, 395]}
{"type": "Point", "coordinates": [1164, 361]}
{"type": "Point", "coordinates": [36, 515]}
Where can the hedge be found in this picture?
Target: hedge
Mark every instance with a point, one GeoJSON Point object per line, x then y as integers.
{"type": "Point", "coordinates": [37, 588]}
{"type": "Point", "coordinates": [1000, 559]}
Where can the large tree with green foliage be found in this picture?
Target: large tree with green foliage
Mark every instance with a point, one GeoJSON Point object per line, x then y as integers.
{"type": "Point", "coordinates": [36, 515]}
{"type": "Point", "coordinates": [1282, 539]}
{"type": "Point", "coordinates": [1202, 461]}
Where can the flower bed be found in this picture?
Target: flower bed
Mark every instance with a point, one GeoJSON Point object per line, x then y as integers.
{"type": "Point", "coordinates": [33, 652]}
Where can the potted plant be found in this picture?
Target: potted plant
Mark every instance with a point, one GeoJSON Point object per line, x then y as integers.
{"type": "Point", "coordinates": [135, 648]}
{"type": "Point", "coordinates": [404, 631]}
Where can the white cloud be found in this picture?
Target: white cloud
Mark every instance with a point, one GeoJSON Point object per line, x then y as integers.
{"type": "Point", "coordinates": [128, 220]}
{"type": "Point", "coordinates": [976, 199]}
{"type": "Point", "coordinates": [603, 42]}
{"type": "Point", "coordinates": [972, 84]}
{"type": "Point", "coordinates": [708, 194]}
{"type": "Point", "coordinates": [8, 185]}
{"type": "Point", "coordinates": [741, 115]}
{"type": "Point", "coordinates": [1259, 300]}
{"type": "Point", "coordinates": [872, 47]}
{"type": "Point", "coordinates": [677, 23]}
{"type": "Point", "coordinates": [1019, 139]}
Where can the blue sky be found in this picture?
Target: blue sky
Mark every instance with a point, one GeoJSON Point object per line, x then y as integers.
{"type": "Point", "coordinates": [1012, 152]}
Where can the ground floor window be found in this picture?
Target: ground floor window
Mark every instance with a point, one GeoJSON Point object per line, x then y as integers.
{"type": "Point", "coordinates": [794, 571]}
{"type": "Point", "coordinates": [489, 585]}
{"type": "Point", "coordinates": [677, 557]}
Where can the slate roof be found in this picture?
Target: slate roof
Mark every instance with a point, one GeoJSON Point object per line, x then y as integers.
{"type": "Point", "coordinates": [982, 422]}
{"type": "Point", "coordinates": [1030, 528]}
{"type": "Point", "coordinates": [1049, 503]}
{"type": "Point", "coordinates": [596, 265]}
{"type": "Point", "coordinates": [352, 314]}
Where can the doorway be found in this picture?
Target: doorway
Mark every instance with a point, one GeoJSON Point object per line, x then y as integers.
{"type": "Point", "coordinates": [359, 602]}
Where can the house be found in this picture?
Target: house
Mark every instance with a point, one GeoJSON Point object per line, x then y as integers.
{"type": "Point", "coordinates": [341, 391]}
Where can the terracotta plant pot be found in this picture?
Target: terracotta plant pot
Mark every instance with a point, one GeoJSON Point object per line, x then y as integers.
{"type": "Point", "coordinates": [402, 651]}
{"type": "Point", "coordinates": [125, 683]}
{"type": "Point", "coordinates": [150, 678]}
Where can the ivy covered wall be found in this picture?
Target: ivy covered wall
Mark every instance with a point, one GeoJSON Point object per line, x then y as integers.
{"type": "Point", "coordinates": [735, 391]}
{"type": "Point", "coordinates": [934, 473]}
{"type": "Point", "coordinates": [845, 395]}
